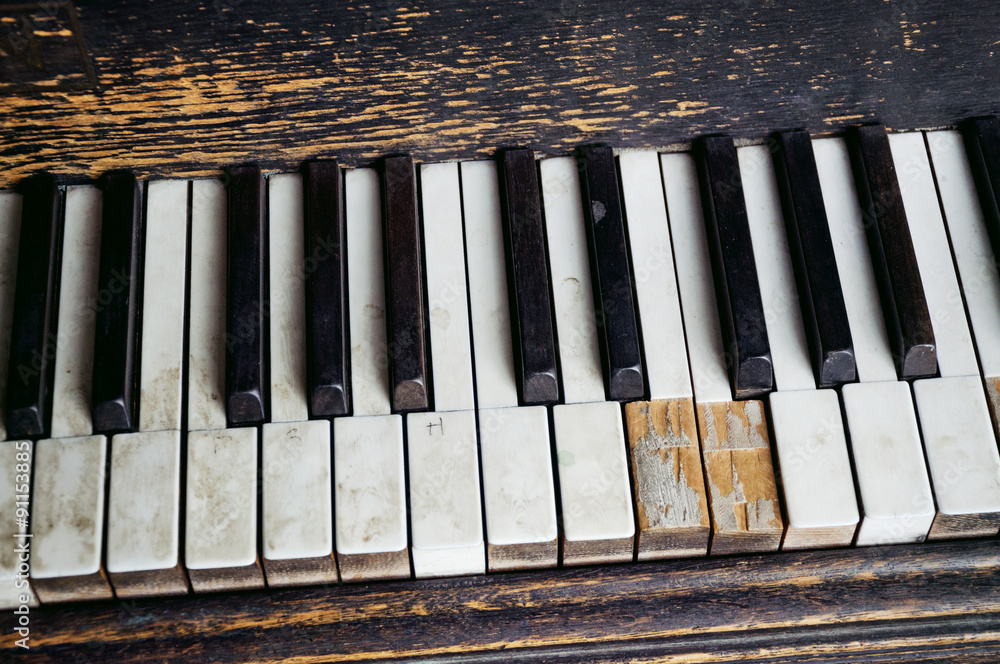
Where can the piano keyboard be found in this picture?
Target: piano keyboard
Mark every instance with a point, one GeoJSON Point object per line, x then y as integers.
{"type": "Point", "coordinates": [430, 370]}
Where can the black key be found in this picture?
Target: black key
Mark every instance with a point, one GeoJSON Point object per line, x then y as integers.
{"type": "Point", "coordinates": [246, 380]}
{"type": "Point", "coordinates": [613, 302]}
{"type": "Point", "coordinates": [821, 298]}
{"type": "Point", "coordinates": [404, 281]}
{"type": "Point", "coordinates": [741, 311]}
{"type": "Point", "coordinates": [528, 279]}
{"type": "Point", "coordinates": [982, 142]}
{"type": "Point", "coordinates": [116, 345]}
{"type": "Point", "coordinates": [36, 292]}
{"type": "Point", "coordinates": [328, 350]}
{"type": "Point", "coordinates": [904, 308]}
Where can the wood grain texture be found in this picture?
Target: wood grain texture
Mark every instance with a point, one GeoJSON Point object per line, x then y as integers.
{"type": "Point", "coordinates": [932, 603]}
{"type": "Point", "coordinates": [667, 479]}
{"type": "Point", "coordinates": [742, 493]}
{"type": "Point", "coordinates": [186, 88]}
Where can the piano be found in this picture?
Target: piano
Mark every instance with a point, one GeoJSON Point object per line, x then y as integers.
{"type": "Point", "coordinates": [561, 332]}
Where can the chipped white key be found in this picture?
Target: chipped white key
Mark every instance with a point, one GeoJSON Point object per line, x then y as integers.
{"type": "Point", "coordinates": [15, 481]}
{"type": "Point", "coordinates": [951, 408]}
{"type": "Point", "coordinates": [298, 504]}
{"type": "Point", "coordinates": [896, 500]}
{"type": "Point", "coordinates": [77, 294]}
{"type": "Point", "coordinates": [445, 503]}
{"type": "Point", "coordinates": [68, 519]}
{"type": "Point", "coordinates": [370, 498]}
{"type": "Point", "coordinates": [593, 472]}
{"type": "Point", "coordinates": [163, 314]}
{"type": "Point", "coordinates": [220, 531]}
{"type": "Point", "coordinates": [207, 321]}
{"type": "Point", "coordinates": [286, 249]}
{"type": "Point", "coordinates": [368, 457]}
{"type": "Point", "coordinates": [518, 487]}
{"type": "Point", "coordinates": [816, 477]}
{"type": "Point", "coordinates": [143, 548]}
{"type": "Point", "coordinates": [742, 494]}
{"type": "Point", "coordinates": [668, 480]}
{"type": "Point", "coordinates": [10, 234]}
{"type": "Point", "coordinates": [445, 515]}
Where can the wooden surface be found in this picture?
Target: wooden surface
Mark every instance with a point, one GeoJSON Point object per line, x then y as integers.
{"type": "Point", "coordinates": [932, 602]}
{"type": "Point", "coordinates": [185, 88]}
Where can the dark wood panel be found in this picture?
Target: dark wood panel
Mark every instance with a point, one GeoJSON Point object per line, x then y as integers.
{"type": "Point", "coordinates": [937, 602]}
{"type": "Point", "coordinates": [185, 87]}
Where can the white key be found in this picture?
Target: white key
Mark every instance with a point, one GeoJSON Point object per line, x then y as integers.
{"type": "Point", "coordinates": [298, 504]}
{"type": "Point", "coordinates": [962, 455]}
{"type": "Point", "coordinates": [163, 311]}
{"type": "Point", "coordinates": [598, 526]}
{"type": "Point", "coordinates": [77, 295]}
{"type": "Point", "coordinates": [496, 385]}
{"type": "Point", "coordinates": [888, 455]}
{"type": "Point", "coordinates": [370, 498]}
{"type": "Point", "coordinates": [709, 377]}
{"type": "Point", "coordinates": [68, 519]}
{"type": "Point", "coordinates": [857, 277]}
{"type": "Point", "coordinates": [366, 295]}
{"type": "Point", "coordinates": [447, 298]}
{"type": "Point", "coordinates": [286, 248]}
{"type": "Point", "coordinates": [144, 514]}
{"type": "Point", "coordinates": [518, 490]}
{"type": "Point", "coordinates": [10, 234]}
{"type": "Point", "coordinates": [445, 516]}
{"type": "Point", "coordinates": [220, 529]}
{"type": "Point", "coordinates": [809, 434]}
{"type": "Point", "coordinates": [15, 480]}
{"type": "Point", "coordinates": [663, 342]}
{"type": "Point", "coordinates": [970, 243]}
{"type": "Point", "coordinates": [895, 496]}
{"type": "Point", "coordinates": [572, 293]}
{"type": "Point", "coordinates": [955, 353]}
{"type": "Point", "coordinates": [207, 326]}
{"type": "Point", "coordinates": [518, 487]}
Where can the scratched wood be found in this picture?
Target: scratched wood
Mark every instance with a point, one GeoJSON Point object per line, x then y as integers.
{"type": "Point", "coordinates": [188, 87]}
{"type": "Point", "coordinates": [739, 473]}
{"type": "Point", "coordinates": [667, 479]}
{"type": "Point", "coordinates": [934, 602]}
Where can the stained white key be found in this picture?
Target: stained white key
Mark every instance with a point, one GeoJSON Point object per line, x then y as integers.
{"type": "Point", "coordinates": [569, 265]}
{"type": "Point", "coordinates": [955, 352]}
{"type": "Point", "coordinates": [518, 487]}
{"type": "Point", "coordinates": [366, 295]}
{"type": "Point", "coordinates": [970, 243]}
{"type": "Point", "coordinates": [598, 526]}
{"type": "Point", "coordinates": [10, 234]}
{"type": "Point", "coordinates": [286, 248]}
{"type": "Point", "coordinates": [163, 311]}
{"type": "Point", "coordinates": [496, 385]}
{"type": "Point", "coordinates": [207, 322]}
{"type": "Point", "coordinates": [447, 297]}
{"type": "Point", "coordinates": [663, 342]}
{"type": "Point", "coordinates": [809, 434]}
{"type": "Point", "coordinates": [892, 476]}
{"type": "Point", "coordinates": [298, 504]}
{"type": "Point", "coordinates": [220, 528]}
{"type": "Point", "coordinates": [68, 519]}
{"type": "Point", "coordinates": [445, 515]}
{"type": "Point", "coordinates": [15, 481]}
{"type": "Point", "coordinates": [143, 548]}
{"type": "Point", "coordinates": [71, 407]}
{"type": "Point", "coordinates": [518, 490]}
{"type": "Point", "coordinates": [895, 495]}
{"type": "Point", "coordinates": [709, 377]}
{"type": "Point", "coordinates": [370, 498]}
